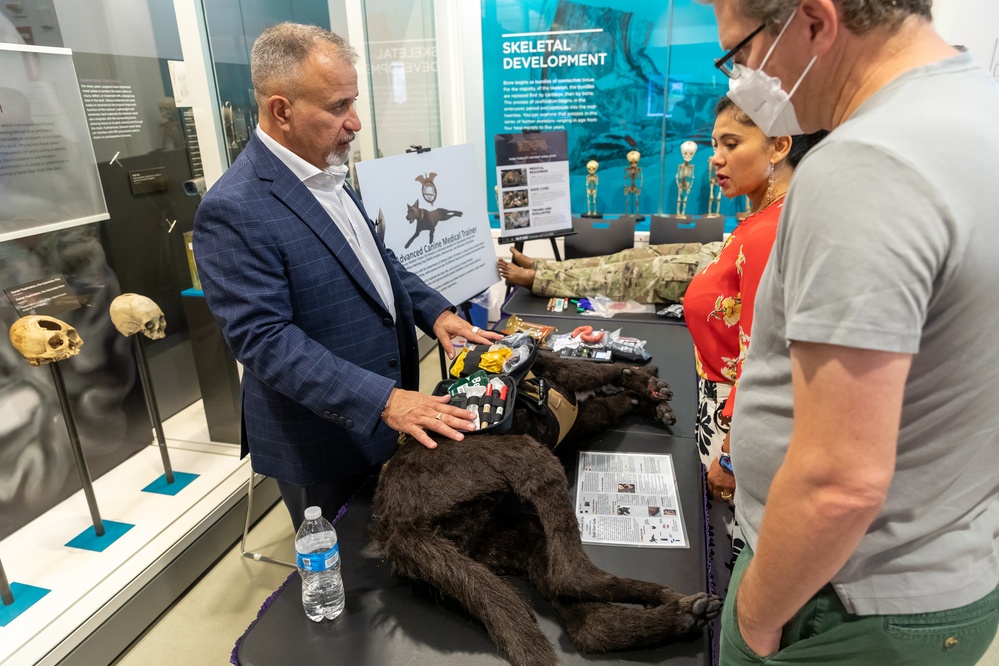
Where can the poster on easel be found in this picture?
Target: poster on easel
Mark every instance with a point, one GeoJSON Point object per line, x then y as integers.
{"type": "Point", "coordinates": [433, 218]}
{"type": "Point", "coordinates": [532, 172]}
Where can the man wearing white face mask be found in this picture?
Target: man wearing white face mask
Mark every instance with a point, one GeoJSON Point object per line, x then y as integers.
{"type": "Point", "coordinates": [866, 457]}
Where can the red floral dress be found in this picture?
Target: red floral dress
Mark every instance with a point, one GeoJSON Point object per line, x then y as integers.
{"type": "Point", "coordinates": [718, 305]}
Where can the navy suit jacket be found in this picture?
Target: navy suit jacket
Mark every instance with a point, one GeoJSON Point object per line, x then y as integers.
{"type": "Point", "coordinates": [320, 352]}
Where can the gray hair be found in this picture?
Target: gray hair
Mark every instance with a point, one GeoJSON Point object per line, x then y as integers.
{"type": "Point", "coordinates": [280, 50]}
{"type": "Point", "coordinates": [859, 16]}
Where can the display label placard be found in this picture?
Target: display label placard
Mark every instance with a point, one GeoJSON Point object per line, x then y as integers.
{"type": "Point", "coordinates": [48, 296]}
{"type": "Point", "coordinates": [146, 181]}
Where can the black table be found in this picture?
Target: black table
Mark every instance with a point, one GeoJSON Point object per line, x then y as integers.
{"type": "Point", "coordinates": [670, 345]}
{"type": "Point", "coordinates": [526, 305]}
{"type": "Point", "coordinates": [387, 620]}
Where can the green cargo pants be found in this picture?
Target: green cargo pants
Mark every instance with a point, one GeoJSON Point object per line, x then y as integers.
{"type": "Point", "coordinates": [823, 632]}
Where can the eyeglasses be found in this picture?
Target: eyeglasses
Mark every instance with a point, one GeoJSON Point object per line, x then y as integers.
{"type": "Point", "coordinates": [725, 64]}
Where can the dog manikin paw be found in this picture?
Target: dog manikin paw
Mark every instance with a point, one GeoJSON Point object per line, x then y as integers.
{"type": "Point", "coordinates": [664, 414]}
{"type": "Point", "coordinates": [703, 606]}
{"type": "Point", "coordinates": [659, 389]}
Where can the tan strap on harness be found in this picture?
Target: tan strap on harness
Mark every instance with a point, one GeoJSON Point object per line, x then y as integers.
{"type": "Point", "coordinates": [564, 410]}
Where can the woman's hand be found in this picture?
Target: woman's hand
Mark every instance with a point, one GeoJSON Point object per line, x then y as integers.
{"type": "Point", "coordinates": [721, 482]}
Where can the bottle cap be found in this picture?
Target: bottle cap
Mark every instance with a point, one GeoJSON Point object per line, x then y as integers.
{"type": "Point", "coordinates": [313, 513]}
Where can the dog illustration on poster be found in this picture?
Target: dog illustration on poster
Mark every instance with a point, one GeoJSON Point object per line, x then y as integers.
{"type": "Point", "coordinates": [426, 220]}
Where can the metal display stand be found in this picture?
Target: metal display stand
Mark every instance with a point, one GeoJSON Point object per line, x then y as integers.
{"type": "Point", "coordinates": [74, 442]}
{"type": "Point", "coordinates": [154, 412]}
{"type": "Point", "coordinates": [5, 593]}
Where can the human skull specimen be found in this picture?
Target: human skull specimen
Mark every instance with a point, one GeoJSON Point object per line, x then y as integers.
{"type": "Point", "coordinates": [687, 149]}
{"type": "Point", "coordinates": [133, 313]}
{"type": "Point", "coordinates": [42, 339]}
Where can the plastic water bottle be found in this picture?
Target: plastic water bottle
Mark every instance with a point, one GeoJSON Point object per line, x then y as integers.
{"type": "Point", "coordinates": [318, 559]}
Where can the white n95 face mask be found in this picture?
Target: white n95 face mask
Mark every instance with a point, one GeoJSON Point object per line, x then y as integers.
{"type": "Point", "coordinates": [763, 99]}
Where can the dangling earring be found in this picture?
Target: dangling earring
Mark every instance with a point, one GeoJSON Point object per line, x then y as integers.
{"type": "Point", "coordinates": [770, 185]}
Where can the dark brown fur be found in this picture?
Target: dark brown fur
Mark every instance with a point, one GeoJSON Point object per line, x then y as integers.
{"type": "Point", "coordinates": [460, 516]}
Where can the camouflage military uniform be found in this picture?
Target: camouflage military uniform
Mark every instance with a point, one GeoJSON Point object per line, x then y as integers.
{"type": "Point", "coordinates": [653, 274]}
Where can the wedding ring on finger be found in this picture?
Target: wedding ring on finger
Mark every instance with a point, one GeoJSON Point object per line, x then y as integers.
{"type": "Point", "coordinates": [439, 416]}
{"type": "Point", "coordinates": [475, 330]}
{"type": "Point", "coordinates": [726, 496]}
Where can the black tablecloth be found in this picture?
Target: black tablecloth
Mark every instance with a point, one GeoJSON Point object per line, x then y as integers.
{"type": "Point", "coordinates": [388, 620]}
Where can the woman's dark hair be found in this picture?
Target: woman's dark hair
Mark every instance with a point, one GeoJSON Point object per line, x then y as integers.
{"type": "Point", "coordinates": [800, 144]}
{"type": "Point", "coordinates": [726, 104]}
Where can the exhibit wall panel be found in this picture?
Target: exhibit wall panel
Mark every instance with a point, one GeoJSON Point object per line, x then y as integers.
{"type": "Point", "coordinates": [617, 76]}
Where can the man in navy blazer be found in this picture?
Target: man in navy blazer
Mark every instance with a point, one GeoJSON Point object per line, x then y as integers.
{"type": "Point", "coordinates": [319, 313]}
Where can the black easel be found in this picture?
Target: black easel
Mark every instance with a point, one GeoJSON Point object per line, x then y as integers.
{"type": "Point", "coordinates": [5, 593]}
{"type": "Point", "coordinates": [154, 412]}
{"type": "Point", "coordinates": [74, 442]}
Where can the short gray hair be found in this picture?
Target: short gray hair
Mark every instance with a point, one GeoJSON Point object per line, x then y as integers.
{"type": "Point", "coordinates": [280, 50]}
{"type": "Point", "coordinates": [859, 16]}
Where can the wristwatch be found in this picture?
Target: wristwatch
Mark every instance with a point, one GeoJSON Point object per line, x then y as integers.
{"type": "Point", "coordinates": [725, 460]}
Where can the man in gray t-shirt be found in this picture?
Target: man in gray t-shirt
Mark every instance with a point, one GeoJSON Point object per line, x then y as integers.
{"type": "Point", "coordinates": [865, 438]}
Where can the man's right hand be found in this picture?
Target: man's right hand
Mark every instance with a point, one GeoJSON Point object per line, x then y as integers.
{"type": "Point", "coordinates": [414, 413]}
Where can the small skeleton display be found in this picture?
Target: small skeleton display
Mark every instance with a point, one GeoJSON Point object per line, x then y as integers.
{"type": "Point", "coordinates": [634, 179]}
{"type": "Point", "coordinates": [42, 339]}
{"type": "Point", "coordinates": [714, 191]}
{"type": "Point", "coordinates": [684, 177]}
{"type": "Point", "coordinates": [133, 313]}
{"type": "Point", "coordinates": [592, 180]}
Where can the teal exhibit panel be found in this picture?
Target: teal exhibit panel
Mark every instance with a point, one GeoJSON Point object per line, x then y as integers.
{"type": "Point", "coordinates": [618, 76]}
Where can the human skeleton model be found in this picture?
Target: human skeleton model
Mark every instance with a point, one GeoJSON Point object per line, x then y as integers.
{"type": "Point", "coordinates": [714, 191]}
{"type": "Point", "coordinates": [632, 176]}
{"type": "Point", "coordinates": [591, 187]}
{"type": "Point", "coordinates": [684, 177]}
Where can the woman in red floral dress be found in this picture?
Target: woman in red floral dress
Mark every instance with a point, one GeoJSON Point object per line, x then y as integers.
{"type": "Point", "coordinates": [718, 304]}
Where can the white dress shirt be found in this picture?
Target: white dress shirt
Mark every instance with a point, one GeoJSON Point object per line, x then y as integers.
{"type": "Point", "coordinates": [327, 185]}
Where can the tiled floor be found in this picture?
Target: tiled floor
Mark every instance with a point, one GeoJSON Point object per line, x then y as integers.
{"type": "Point", "coordinates": [202, 627]}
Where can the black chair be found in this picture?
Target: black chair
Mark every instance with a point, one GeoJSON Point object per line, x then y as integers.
{"type": "Point", "coordinates": [685, 229]}
{"type": "Point", "coordinates": [595, 238]}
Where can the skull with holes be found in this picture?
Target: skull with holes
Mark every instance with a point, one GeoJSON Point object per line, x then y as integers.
{"type": "Point", "coordinates": [42, 339]}
{"type": "Point", "coordinates": [133, 313]}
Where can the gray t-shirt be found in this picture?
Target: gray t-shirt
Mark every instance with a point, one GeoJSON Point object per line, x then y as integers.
{"type": "Point", "coordinates": [890, 241]}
